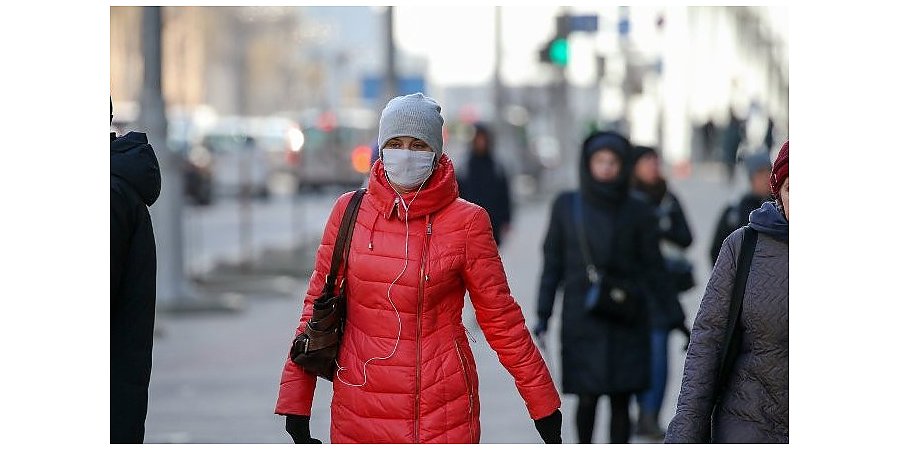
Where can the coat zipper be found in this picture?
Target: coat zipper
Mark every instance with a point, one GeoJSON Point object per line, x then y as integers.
{"type": "Point", "coordinates": [462, 362]}
{"type": "Point", "coordinates": [419, 306]}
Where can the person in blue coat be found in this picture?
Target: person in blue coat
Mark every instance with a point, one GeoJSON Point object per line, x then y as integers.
{"type": "Point", "coordinates": [666, 313]}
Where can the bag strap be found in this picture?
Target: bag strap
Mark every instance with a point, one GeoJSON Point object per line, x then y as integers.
{"type": "Point", "coordinates": [342, 243]}
{"type": "Point", "coordinates": [733, 333]}
{"type": "Point", "coordinates": [578, 210]}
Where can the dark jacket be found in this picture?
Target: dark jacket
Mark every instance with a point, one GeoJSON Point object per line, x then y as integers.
{"type": "Point", "coordinates": [483, 181]}
{"type": "Point", "coordinates": [599, 356]}
{"type": "Point", "coordinates": [134, 185]}
{"type": "Point", "coordinates": [754, 402]}
{"type": "Point", "coordinates": [675, 236]}
{"type": "Point", "coordinates": [733, 217]}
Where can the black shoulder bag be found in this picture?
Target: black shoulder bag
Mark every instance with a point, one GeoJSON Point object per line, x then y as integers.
{"type": "Point", "coordinates": [316, 348]}
{"type": "Point", "coordinates": [607, 297]}
{"type": "Point", "coordinates": [734, 333]}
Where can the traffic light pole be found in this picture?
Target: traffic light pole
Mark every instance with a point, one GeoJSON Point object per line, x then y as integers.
{"type": "Point", "coordinates": [390, 74]}
{"type": "Point", "coordinates": [167, 212]}
{"type": "Point", "coordinates": [499, 129]}
{"type": "Point", "coordinates": [173, 292]}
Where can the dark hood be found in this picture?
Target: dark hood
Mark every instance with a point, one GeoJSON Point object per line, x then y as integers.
{"type": "Point", "coordinates": [133, 160]}
{"type": "Point", "coordinates": [769, 220]}
{"type": "Point", "coordinates": [611, 193]}
{"type": "Point", "coordinates": [474, 158]}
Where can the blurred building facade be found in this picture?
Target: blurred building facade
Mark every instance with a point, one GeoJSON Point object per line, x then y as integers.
{"type": "Point", "coordinates": [237, 60]}
{"type": "Point", "coordinates": [712, 60]}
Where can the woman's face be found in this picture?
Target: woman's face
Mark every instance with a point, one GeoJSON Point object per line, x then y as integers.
{"type": "Point", "coordinates": [647, 169]}
{"type": "Point", "coordinates": [605, 165]}
{"type": "Point", "coordinates": [784, 197]}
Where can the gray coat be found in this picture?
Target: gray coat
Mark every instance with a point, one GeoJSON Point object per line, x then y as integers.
{"type": "Point", "coordinates": [754, 405]}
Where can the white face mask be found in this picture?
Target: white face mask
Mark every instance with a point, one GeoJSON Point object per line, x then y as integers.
{"type": "Point", "coordinates": [406, 168]}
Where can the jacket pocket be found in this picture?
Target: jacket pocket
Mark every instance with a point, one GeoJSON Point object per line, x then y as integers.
{"type": "Point", "coordinates": [463, 362]}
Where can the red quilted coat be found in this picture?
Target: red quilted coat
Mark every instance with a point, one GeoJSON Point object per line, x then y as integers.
{"type": "Point", "coordinates": [427, 392]}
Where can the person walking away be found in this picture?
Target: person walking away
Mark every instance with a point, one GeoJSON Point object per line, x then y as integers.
{"type": "Point", "coordinates": [406, 373]}
{"type": "Point", "coordinates": [601, 356]}
{"type": "Point", "coordinates": [769, 138]}
{"type": "Point", "coordinates": [708, 135]}
{"type": "Point", "coordinates": [736, 215]}
{"type": "Point", "coordinates": [484, 182]}
{"type": "Point", "coordinates": [751, 403]}
{"type": "Point", "coordinates": [134, 185]}
{"type": "Point", "coordinates": [732, 137]}
{"type": "Point", "coordinates": [666, 313]}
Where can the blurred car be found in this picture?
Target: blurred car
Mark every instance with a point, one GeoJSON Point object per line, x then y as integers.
{"type": "Point", "coordinates": [249, 153]}
{"type": "Point", "coordinates": [336, 148]}
{"type": "Point", "coordinates": [185, 129]}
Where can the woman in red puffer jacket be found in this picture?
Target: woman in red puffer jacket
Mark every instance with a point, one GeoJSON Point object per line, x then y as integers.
{"type": "Point", "coordinates": [406, 373]}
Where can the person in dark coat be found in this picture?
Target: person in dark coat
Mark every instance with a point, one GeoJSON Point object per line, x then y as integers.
{"type": "Point", "coordinates": [666, 313]}
{"type": "Point", "coordinates": [732, 136]}
{"type": "Point", "coordinates": [601, 356]}
{"type": "Point", "coordinates": [484, 182]}
{"type": "Point", "coordinates": [736, 215]}
{"type": "Point", "coordinates": [753, 404]}
{"type": "Point", "coordinates": [134, 185]}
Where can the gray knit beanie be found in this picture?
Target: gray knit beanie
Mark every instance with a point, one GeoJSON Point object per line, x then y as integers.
{"type": "Point", "coordinates": [412, 115]}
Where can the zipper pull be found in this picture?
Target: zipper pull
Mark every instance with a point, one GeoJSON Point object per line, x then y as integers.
{"type": "Point", "coordinates": [394, 208]}
{"type": "Point", "coordinates": [428, 229]}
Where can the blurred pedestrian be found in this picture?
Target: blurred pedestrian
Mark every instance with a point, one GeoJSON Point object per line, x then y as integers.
{"type": "Point", "coordinates": [751, 403]}
{"type": "Point", "coordinates": [601, 355]}
{"type": "Point", "coordinates": [484, 182]}
{"type": "Point", "coordinates": [769, 138]}
{"type": "Point", "coordinates": [732, 137]}
{"type": "Point", "coordinates": [736, 215]}
{"type": "Point", "coordinates": [708, 135]}
{"type": "Point", "coordinates": [666, 313]}
{"type": "Point", "coordinates": [134, 185]}
{"type": "Point", "coordinates": [417, 249]}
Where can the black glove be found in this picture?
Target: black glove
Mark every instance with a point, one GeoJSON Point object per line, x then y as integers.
{"type": "Point", "coordinates": [687, 335]}
{"type": "Point", "coordinates": [550, 428]}
{"type": "Point", "coordinates": [539, 330]}
{"type": "Point", "coordinates": [298, 428]}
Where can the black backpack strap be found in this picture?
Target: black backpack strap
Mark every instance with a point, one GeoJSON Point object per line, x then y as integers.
{"type": "Point", "coordinates": [733, 333]}
{"type": "Point", "coordinates": [342, 243]}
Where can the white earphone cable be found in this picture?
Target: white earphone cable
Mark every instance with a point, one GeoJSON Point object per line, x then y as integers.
{"type": "Point", "coordinates": [396, 311]}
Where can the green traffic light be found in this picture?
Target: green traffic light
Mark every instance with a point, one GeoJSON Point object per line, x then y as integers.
{"type": "Point", "coordinates": [559, 51]}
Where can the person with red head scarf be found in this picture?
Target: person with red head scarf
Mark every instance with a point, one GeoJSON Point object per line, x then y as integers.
{"type": "Point", "coordinates": [748, 403]}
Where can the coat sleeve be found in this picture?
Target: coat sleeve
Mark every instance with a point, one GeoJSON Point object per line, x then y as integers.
{"type": "Point", "coordinates": [680, 231]}
{"type": "Point", "coordinates": [501, 319]}
{"type": "Point", "coordinates": [554, 262]}
{"type": "Point", "coordinates": [696, 399]}
{"type": "Point", "coordinates": [121, 226]}
{"type": "Point", "coordinates": [295, 394]}
{"type": "Point", "coordinates": [653, 280]}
